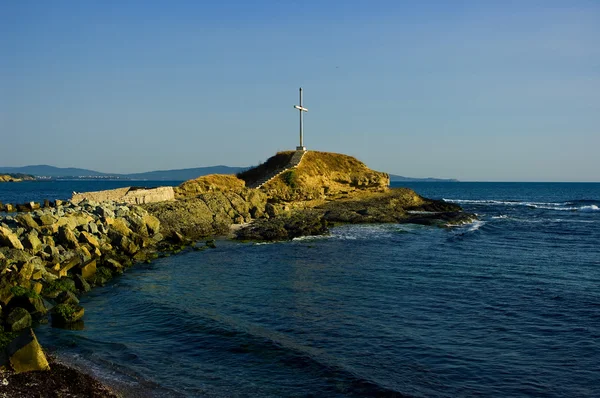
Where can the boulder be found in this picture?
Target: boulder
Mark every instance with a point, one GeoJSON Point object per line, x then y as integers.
{"type": "Point", "coordinates": [67, 237]}
{"type": "Point", "coordinates": [119, 225]}
{"type": "Point", "coordinates": [84, 253]}
{"type": "Point", "coordinates": [29, 301]}
{"type": "Point", "coordinates": [87, 237]}
{"type": "Point", "coordinates": [74, 219]}
{"type": "Point", "coordinates": [104, 211]}
{"type": "Point", "coordinates": [88, 270]}
{"type": "Point", "coordinates": [32, 242]}
{"type": "Point", "coordinates": [137, 224]}
{"type": "Point", "coordinates": [114, 265]}
{"type": "Point", "coordinates": [66, 313]}
{"type": "Point", "coordinates": [121, 211]}
{"type": "Point", "coordinates": [25, 354]}
{"type": "Point", "coordinates": [6, 293]}
{"type": "Point", "coordinates": [27, 221]}
{"type": "Point", "coordinates": [81, 284]}
{"type": "Point", "coordinates": [36, 287]}
{"type": "Point", "coordinates": [122, 242]}
{"type": "Point", "coordinates": [61, 270]}
{"type": "Point", "coordinates": [48, 240]}
{"type": "Point", "coordinates": [52, 250]}
{"type": "Point", "coordinates": [47, 219]}
{"type": "Point", "coordinates": [8, 238]}
{"type": "Point", "coordinates": [26, 270]}
{"type": "Point", "coordinates": [17, 255]}
{"type": "Point", "coordinates": [67, 298]}
{"type": "Point", "coordinates": [18, 319]}
{"type": "Point", "coordinates": [152, 224]}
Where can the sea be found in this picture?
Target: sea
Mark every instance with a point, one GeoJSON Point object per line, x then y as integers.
{"type": "Point", "coordinates": [507, 306]}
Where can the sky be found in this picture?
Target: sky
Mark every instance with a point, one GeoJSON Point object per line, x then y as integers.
{"type": "Point", "coordinates": [474, 90]}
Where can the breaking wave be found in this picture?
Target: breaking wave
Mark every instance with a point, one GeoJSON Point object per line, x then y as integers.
{"type": "Point", "coordinates": [584, 206]}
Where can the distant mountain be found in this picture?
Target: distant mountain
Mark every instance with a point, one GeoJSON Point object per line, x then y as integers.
{"type": "Point", "coordinates": [184, 174]}
{"type": "Point", "coordinates": [158, 175]}
{"type": "Point", "coordinates": [167, 175]}
{"type": "Point", "coordinates": [51, 171]}
{"type": "Point", "coordinates": [397, 178]}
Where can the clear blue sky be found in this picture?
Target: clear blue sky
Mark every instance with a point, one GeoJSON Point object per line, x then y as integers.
{"type": "Point", "coordinates": [474, 90]}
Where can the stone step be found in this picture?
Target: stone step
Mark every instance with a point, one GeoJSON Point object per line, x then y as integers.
{"type": "Point", "coordinates": [294, 161]}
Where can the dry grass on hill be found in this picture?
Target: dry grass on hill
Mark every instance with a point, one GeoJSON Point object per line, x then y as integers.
{"type": "Point", "coordinates": [325, 174]}
{"type": "Point", "coordinates": [209, 183]}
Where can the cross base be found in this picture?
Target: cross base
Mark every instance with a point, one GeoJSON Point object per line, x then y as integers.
{"type": "Point", "coordinates": [301, 148]}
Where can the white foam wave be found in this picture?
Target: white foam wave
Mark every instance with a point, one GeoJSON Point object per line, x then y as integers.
{"type": "Point", "coordinates": [503, 216]}
{"type": "Point", "coordinates": [554, 208]}
{"type": "Point", "coordinates": [475, 225]}
{"type": "Point", "coordinates": [310, 237]}
{"type": "Point", "coordinates": [503, 202]}
{"type": "Point", "coordinates": [589, 208]}
{"type": "Point", "coordinates": [558, 206]}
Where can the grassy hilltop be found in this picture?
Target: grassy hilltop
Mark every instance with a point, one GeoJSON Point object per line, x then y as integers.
{"type": "Point", "coordinates": [320, 175]}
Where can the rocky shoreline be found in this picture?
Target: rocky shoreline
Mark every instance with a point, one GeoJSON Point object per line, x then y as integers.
{"type": "Point", "coordinates": [60, 380]}
{"type": "Point", "coordinates": [51, 256]}
{"type": "Point", "coordinates": [16, 177]}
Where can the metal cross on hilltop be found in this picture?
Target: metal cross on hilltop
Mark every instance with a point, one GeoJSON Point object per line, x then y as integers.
{"type": "Point", "coordinates": [301, 109]}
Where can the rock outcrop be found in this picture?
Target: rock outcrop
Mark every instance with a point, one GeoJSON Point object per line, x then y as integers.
{"type": "Point", "coordinates": [209, 205]}
{"type": "Point", "coordinates": [16, 177]}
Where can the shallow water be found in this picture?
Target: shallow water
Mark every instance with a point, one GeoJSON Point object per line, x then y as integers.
{"type": "Point", "coordinates": [506, 306]}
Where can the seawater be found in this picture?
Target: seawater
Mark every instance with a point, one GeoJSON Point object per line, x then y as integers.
{"type": "Point", "coordinates": [38, 191]}
{"type": "Point", "coordinates": [506, 306]}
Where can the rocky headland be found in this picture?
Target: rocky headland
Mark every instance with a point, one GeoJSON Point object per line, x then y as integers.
{"type": "Point", "coordinates": [52, 254]}
{"type": "Point", "coordinates": [16, 177]}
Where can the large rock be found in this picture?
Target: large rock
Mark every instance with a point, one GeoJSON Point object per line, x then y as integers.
{"type": "Point", "coordinates": [27, 221]}
{"type": "Point", "coordinates": [119, 225]}
{"type": "Point", "coordinates": [61, 270]}
{"type": "Point", "coordinates": [66, 313]}
{"type": "Point", "coordinates": [47, 219]}
{"type": "Point", "coordinates": [67, 298]}
{"type": "Point", "coordinates": [26, 270]}
{"type": "Point", "coordinates": [74, 220]}
{"type": "Point", "coordinates": [152, 224]}
{"type": "Point", "coordinates": [32, 242]}
{"type": "Point", "coordinates": [104, 211]}
{"type": "Point", "coordinates": [18, 319]}
{"type": "Point", "coordinates": [137, 224]}
{"type": "Point", "coordinates": [88, 270]}
{"type": "Point", "coordinates": [26, 355]}
{"type": "Point", "coordinates": [10, 239]}
{"type": "Point", "coordinates": [67, 237]}
{"type": "Point", "coordinates": [17, 255]}
{"type": "Point", "coordinates": [82, 284]}
{"type": "Point", "coordinates": [128, 245]}
{"type": "Point", "coordinates": [87, 237]}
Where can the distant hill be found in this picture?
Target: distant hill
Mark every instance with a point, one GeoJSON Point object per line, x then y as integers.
{"type": "Point", "coordinates": [184, 174]}
{"type": "Point", "coordinates": [51, 171]}
{"type": "Point", "coordinates": [166, 175]}
{"type": "Point", "coordinates": [157, 175]}
{"type": "Point", "coordinates": [397, 178]}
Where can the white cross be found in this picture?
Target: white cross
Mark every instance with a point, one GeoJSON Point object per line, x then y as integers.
{"type": "Point", "coordinates": [301, 109]}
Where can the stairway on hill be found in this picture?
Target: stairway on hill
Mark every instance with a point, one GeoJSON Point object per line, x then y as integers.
{"type": "Point", "coordinates": [294, 161]}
